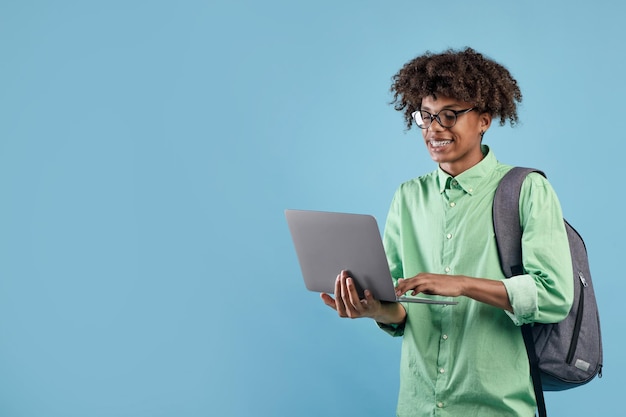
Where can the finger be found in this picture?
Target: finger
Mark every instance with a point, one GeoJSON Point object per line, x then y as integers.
{"type": "Point", "coordinates": [354, 302]}
{"type": "Point", "coordinates": [369, 302]}
{"type": "Point", "coordinates": [402, 286]}
{"type": "Point", "coordinates": [405, 285]}
{"type": "Point", "coordinates": [347, 306]}
{"type": "Point", "coordinates": [339, 301]}
{"type": "Point", "coordinates": [416, 287]}
{"type": "Point", "coordinates": [328, 300]}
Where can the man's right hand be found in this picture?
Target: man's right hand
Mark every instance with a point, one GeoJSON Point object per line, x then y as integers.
{"type": "Point", "coordinates": [347, 303]}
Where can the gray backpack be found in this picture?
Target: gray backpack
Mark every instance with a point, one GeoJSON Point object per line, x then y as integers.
{"type": "Point", "coordinates": [569, 353]}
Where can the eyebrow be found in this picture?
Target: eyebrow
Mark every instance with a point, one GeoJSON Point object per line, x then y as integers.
{"type": "Point", "coordinates": [449, 106]}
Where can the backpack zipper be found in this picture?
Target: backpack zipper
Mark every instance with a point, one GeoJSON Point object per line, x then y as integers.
{"type": "Point", "coordinates": [579, 319]}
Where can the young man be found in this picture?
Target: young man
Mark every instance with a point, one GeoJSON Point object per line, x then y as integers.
{"type": "Point", "coordinates": [467, 359]}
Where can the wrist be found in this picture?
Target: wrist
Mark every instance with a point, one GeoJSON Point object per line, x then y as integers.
{"type": "Point", "coordinates": [465, 285]}
{"type": "Point", "coordinates": [390, 313]}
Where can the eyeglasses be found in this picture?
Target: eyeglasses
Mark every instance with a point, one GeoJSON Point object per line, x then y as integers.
{"type": "Point", "coordinates": [446, 118]}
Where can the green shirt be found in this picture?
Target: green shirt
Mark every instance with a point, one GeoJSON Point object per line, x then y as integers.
{"type": "Point", "coordinates": [469, 359]}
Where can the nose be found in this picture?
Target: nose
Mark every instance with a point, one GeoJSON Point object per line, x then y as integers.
{"type": "Point", "coordinates": [436, 125]}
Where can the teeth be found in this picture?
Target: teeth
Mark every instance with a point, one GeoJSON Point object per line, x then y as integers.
{"type": "Point", "coordinates": [437, 143]}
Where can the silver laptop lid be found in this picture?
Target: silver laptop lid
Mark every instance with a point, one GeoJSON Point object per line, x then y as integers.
{"type": "Point", "coordinates": [328, 242]}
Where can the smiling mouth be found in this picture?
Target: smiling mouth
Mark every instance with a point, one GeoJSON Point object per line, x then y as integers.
{"type": "Point", "coordinates": [439, 143]}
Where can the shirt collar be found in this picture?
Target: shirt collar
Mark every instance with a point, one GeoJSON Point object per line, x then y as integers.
{"type": "Point", "coordinates": [470, 179]}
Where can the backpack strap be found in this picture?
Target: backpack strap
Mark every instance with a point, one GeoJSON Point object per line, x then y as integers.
{"type": "Point", "coordinates": [508, 232]}
{"type": "Point", "coordinates": [506, 220]}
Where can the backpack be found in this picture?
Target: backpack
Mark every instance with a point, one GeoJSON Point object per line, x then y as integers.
{"type": "Point", "coordinates": [562, 355]}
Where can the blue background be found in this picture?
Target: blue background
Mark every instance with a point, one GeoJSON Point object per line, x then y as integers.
{"type": "Point", "coordinates": [149, 148]}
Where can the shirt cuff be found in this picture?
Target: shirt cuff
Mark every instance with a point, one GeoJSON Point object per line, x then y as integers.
{"type": "Point", "coordinates": [523, 297]}
{"type": "Point", "coordinates": [395, 330]}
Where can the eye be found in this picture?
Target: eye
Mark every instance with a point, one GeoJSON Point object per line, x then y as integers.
{"type": "Point", "coordinates": [427, 117]}
{"type": "Point", "coordinates": [447, 116]}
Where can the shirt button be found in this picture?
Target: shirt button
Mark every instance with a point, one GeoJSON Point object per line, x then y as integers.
{"type": "Point", "coordinates": [449, 236]}
{"type": "Point", "coordinates": [440, 405]}
{"type": "Point", "coordinates": [444, 337]}
{"type": "Point", "coordinates": [447, 269]}
{"type": "Point", "coordinates": [441, 370]}
{"type": "Point", "coordinates": [454, 183]}
{"type": "Point", "coordinates": [452, 204]}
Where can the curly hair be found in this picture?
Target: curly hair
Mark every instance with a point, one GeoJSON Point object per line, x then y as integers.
{"type": "Point", "coordinates": [463, 75]}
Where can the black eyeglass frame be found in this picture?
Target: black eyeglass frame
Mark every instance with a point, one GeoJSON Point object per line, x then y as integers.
{"type": "Point", "coordinates": [457, 113]}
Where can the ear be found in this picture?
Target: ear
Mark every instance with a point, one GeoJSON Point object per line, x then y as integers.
{"type": "Point", "coordinates": [485, 121]}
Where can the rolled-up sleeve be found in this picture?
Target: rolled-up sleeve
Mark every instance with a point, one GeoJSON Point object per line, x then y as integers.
{"type": "Point", "coordinates": [395, 330]}
{"type": "Point", "coordinates": [544, 294]}
{"type": "Point", "coordinates": [522, 293]}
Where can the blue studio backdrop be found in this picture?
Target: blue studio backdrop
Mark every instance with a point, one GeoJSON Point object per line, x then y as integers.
{"type": "Point", "coordinates": [148, 150]}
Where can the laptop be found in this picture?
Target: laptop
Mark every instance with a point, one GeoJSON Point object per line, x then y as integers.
{"type": "Point", "coordinates": [328, 242]}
